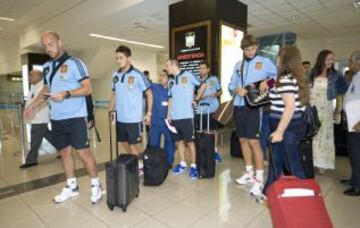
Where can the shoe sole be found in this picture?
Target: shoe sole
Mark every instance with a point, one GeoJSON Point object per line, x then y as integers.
{"type": "Point", "coordinates": [72, 196]}
{"type": "Point", "coordinates": [248, 183]}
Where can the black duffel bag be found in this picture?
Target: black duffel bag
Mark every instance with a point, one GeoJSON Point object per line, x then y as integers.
{"type": "Point", "coordinates": [156, 166]}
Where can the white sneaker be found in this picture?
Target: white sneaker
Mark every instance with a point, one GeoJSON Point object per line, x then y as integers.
{"type": "Point", "coordinates": [96, 193]}
{"type": "Point", "coordinates": [247, 178]}
{"type": "Point", "coordinates": [256, 189]}
{"type": "Point", "coordinates": [66, 194]}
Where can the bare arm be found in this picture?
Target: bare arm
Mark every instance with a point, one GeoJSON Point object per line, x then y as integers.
{"type": "Point", "coordinates": [289, 102]}
{"type": "Point", "coordinates": [37, 102]}
{"type": "Point", "coordinates": [83, 90]}
{"type": "Point", "coordinates": [201, 92]}
{"type": "Point", "coordinates": [149, 101]}
{"type": "Point", "coordinates": [169, 109]}
{"type": "Point", "coordinates": [112, 101]}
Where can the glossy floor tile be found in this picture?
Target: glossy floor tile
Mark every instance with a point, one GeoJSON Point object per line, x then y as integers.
{"type": "Point", "coordinates": [178, 202]}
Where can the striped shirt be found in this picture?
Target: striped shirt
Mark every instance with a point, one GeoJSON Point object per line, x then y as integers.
{"type": "Point", "coordinates": [288, 84]}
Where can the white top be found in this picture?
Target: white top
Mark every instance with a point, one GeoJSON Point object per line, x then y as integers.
{"type": "Point", "coordinates": [42, 113]}
{"type": "Point", "coordinates": [352, 109]}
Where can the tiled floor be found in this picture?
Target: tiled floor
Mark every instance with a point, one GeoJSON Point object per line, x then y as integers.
{"type": "Point", "coordinates": [179, 202]}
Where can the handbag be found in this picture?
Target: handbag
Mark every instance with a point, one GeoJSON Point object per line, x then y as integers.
{"type": "Point", "coordinates": [312, 121]}
{"type": "Point", "coordinates": [224, 114]}
{"type": "Point", "coordinates": [254, 98]}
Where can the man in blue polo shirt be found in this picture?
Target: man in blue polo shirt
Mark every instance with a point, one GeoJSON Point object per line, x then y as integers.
{"type": "Point", "coordinates": [66, 83]}
{"type": "Point", "coordinates": [128, 87]}
{"type": "Point", "coordinates": [212, 92]}
{"type": "Point", "coordinates": [160, 109]}
{"type": "Point", "coordinates": [181, 112]}
{"type": "Point", "coordinates": [253, 68]}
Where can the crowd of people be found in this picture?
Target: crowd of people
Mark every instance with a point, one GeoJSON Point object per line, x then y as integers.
{"type": "Point", "coordinates": [176, 100]}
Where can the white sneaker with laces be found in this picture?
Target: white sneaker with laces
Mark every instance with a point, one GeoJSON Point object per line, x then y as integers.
{"type": "Point", "coordinates": [96, 193]}
{"type": "Point", "coordinates": [66, 193]}
{"type": "Point", "coordinates": [256, 189]}
{"type": "Point", "coordinates": [247, 178]}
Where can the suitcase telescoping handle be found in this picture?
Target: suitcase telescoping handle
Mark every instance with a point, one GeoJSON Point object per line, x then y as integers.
{"type": "Point", "coordinates": [201, 116]}
{"type": "Point", "coordinates": [111, 115]}
{"type": "Point", "coordinates": [272, 158]}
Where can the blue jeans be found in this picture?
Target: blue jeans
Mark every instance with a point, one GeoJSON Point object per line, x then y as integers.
{"type": "Point", "coordinates": [155, 140]}
{"type": "Point", "coordinates": [265, 132]}
{"type": "Point", "coordinates": [286, 154]}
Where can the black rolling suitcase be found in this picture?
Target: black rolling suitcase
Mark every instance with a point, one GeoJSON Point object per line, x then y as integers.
{"type": "Point", "coordinates": [205, 148]}
{"type": "Point", "coordinates": [235, 147]}
{"type": "Point", "coordinates": [306, 157]}
{"type": "Point", "coordinates": [122, 178]}
{"type": "Point", "coordinates": [156, 166]}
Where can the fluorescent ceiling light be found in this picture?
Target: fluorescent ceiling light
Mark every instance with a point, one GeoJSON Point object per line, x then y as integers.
{"type": "Point", "coordinates": [125, 41]}
{"type": "Point", "coordinates": [6, 19]}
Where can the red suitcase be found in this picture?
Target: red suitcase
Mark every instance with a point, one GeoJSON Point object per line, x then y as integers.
{"type": "Point", "coordinates": [297, 203]}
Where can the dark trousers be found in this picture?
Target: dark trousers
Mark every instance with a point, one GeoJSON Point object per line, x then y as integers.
{"type": "Point", "coordinates": [286, 154]}
{"type": "Point", "coordinates": [38, 132]}
{"type": "Point", "coordinates": [353, 147]}
{"type": "Point", "coordinates": [265, 132]}
{"type": "Point", "coordinates": [155, 140]}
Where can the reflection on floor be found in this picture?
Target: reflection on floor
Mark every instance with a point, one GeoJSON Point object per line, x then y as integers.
{"type": "Point", "coordinates": [179, 202]}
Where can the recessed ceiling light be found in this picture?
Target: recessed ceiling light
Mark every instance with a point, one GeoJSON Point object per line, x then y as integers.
{"type": "Point", "coordinates": [6, 19]}
{"type": "Point", "coordinates": [125, 41]}
{"type": "Point", "coordinates": [356, 4]}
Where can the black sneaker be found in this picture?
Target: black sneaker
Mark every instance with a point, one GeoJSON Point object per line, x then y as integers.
{"type": "Point", "coordinates": [28, 165]}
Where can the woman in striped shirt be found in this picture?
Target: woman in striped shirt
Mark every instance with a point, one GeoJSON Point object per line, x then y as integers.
{"type": "Point", "coordinates": [288, 98]}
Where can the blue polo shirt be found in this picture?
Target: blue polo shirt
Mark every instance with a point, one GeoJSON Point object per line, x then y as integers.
{"type": "Point", "coordinates": [160, 104]}
{"type": "Point", "coordinates": [212, 86]}
{"type": "Point", "coordinates": [129, 87]}
{"type": "Point", "coordinates": [182, 95]}
{"type": "Point", "coordinates": [68, 77]}
{"type": "Point", "coordinates": [257, 69]}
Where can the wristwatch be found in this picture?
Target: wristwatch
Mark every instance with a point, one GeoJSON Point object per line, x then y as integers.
{"type": "Point", "coordinates": [68, 94]}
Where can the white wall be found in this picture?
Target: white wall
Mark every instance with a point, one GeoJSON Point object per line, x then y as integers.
{"type": "Point", "coordinates": [341, 46]}
{"type": "Point", "coordinates": [142, 60]}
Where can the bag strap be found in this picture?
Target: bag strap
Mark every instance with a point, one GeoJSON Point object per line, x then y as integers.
{"type": "Point", "coordinates": [62, 59]}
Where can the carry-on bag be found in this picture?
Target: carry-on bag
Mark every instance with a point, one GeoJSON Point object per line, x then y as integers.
{"type": "Point", "coordinates": [122, 178]}
{"type": "Point", "coordinates": [205, 148]}
{"type": "Point", "coordinates": [296, 203]}
{"type": "Point", "coordinates": [156, 166]}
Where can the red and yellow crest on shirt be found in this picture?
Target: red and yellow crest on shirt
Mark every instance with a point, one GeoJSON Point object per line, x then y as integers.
{"type": "Point", "coordinates": [184, 81]}
{"type": "Point", "coordinates": [64, 69]}
{"type": "Point", "coordinates": [212, 83]}
{"type": "Point", "coordinates": [131, 80]}
{"type": "Point", "coordinates": [258, 65]}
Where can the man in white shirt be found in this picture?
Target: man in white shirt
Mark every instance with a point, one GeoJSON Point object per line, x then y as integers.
{"type": "Point", "coordinates": [39, 122]}
{"type": "Point", "coordinates": [352, 109]}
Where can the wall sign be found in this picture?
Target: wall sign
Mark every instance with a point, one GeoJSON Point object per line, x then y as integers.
{"type": "Point", "coordinates": [191, 45]}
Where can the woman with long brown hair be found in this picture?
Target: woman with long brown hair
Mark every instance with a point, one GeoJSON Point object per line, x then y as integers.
{"type": "Point", "coordinates": [326, 84]}
{"type": "Point", "coordinates": [288, 99]}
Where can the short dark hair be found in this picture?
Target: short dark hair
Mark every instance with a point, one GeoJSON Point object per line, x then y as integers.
{"type": "Point", "coordinates": [146, 72]}
{"type": "Point", "coordinates": [204, 62]}
{"type": "Point", "coordinates": [124, 49]}
{"type": "Point", "coordinates": [165, 71]}
{"type": "Point", "coordinates": [248, 41]}
{"type": "Point", "coordinates": [306, 63]}
{"type": "Point", "coordinates": [174, 61]}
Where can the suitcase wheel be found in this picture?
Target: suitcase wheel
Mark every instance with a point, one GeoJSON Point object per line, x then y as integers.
{"type": "Point", "coordinates": [123, 208]}
{"type": "Point", "coordinates": [111, 207]}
